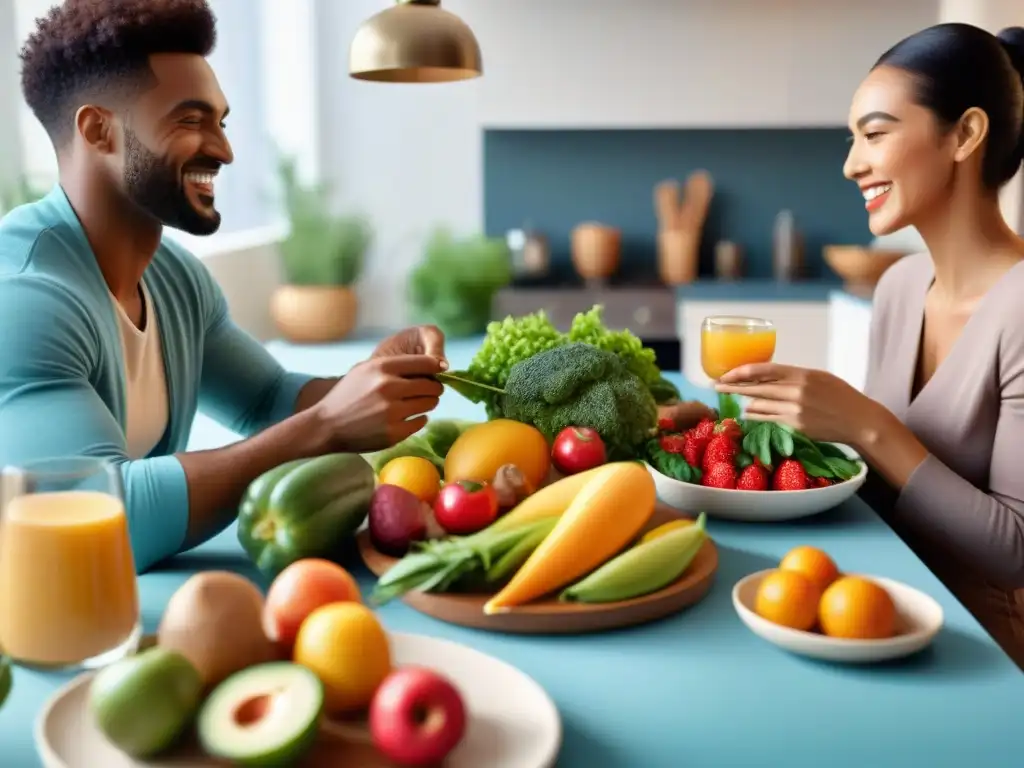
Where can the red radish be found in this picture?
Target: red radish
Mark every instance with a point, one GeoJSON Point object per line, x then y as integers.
{"type": "Point", "coordinates": [577, 449]}
{"type": "Point", "coordinates": [466, 506]}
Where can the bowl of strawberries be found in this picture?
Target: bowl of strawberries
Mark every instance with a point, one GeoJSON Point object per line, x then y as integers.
{"type": "Point", "coordinates": [757, 471]}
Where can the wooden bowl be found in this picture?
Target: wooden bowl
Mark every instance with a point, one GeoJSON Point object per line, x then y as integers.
{"type": "Point", "coordinates": [859, 265]}
{"type": "Point", "coordinates": [550, 616]}
{"type": "Point", "coordinates": [596, 250]}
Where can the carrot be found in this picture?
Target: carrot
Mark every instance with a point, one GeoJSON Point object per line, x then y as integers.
{"type": "Point", "coordinates": [605, 515]}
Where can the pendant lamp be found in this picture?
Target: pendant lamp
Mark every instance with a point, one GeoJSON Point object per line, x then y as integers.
{"type": "Point", "coordinates": [415, 41]}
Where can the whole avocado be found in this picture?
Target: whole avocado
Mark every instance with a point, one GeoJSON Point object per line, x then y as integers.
{"type": "Point", "coordinates": [580, 385]}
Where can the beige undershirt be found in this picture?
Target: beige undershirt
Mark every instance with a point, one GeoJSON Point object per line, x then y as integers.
{"type": "Point", "coordinates": [145, 380]}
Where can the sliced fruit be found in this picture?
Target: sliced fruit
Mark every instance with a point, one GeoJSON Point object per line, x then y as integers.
{"type": "Point", "coordinates": [348, 649]}
{"type": "Point", "coordinates": [417, 475]}
{"type": "Point", "coordinates": [267, 715]}
{"type": "Point", "coordinates": [144, 703]}
{"type": "Point", "coordinates": [789, 599]}
{"type": "Point", "coordinates": [857, 608]}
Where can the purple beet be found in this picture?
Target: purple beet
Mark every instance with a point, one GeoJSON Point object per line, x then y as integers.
{"type": "Point", "coordinates": [397, 519]}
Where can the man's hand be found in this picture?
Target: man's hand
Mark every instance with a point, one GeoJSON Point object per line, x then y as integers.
{"type": "Point", "coordinates": [419, 340]}
{"type": "Point", "coordinates": [380, 402]}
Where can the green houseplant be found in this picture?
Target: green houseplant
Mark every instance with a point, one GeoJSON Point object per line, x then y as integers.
{"type": "Point", "coordinates": [322, 258]}
{"type": "Point", "coordinates": [454, 284]}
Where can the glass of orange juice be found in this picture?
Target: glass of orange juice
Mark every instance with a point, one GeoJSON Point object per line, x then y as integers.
{"type": "Point", "coordinates": [728, 341]}
{"type": "Point", "coordinates": [68, 589]}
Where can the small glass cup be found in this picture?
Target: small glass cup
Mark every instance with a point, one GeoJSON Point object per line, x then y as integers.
{"type": "Point", "coordinates": [68, 590]}
{"type": "Point", "coordinates": [729, 341]}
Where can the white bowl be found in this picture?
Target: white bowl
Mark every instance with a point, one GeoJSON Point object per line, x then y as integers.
{"type": "Point", "coordinates": [756, 506]}
{"type": "Point", "coordinates": [920, 618]}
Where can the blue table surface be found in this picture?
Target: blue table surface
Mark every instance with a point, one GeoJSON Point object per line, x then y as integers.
{"type": "Point", "coordinates": [697, 689]}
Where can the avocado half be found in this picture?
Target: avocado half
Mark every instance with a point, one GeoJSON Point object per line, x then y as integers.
{"type": "Point", "coordinates": [265, 715]}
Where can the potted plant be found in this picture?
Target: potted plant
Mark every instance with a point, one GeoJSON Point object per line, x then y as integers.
{"type": "Point", "coordinates": [453, 286]}
{"type": "Point", "coordinates": [322, 257]}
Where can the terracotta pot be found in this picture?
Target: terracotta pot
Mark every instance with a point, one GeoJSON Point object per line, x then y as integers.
{"type": "Point", "coordinates": [596, 250]}
{"type": "Point", "coordinates": [314, 314]}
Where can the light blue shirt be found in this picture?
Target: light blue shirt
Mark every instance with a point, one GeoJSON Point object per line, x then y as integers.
{"type": "Point", "coordinates": [62, 383]}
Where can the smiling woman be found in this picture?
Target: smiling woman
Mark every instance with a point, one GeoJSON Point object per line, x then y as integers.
{"type": "Point", "coordinates": [938, 129]}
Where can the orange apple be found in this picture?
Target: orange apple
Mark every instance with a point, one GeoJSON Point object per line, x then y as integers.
{"type": "Point", "coordinates": [300, 589]}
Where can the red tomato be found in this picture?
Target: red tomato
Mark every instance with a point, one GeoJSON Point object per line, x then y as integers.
{"type": "Point", "coordinates": [466, 506]}
{"type": "Point", "coordinates": [577, 449]}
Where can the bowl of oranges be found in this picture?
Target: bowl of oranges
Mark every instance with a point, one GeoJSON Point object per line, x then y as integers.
{"type": "Point", "coordinates": [808, 606]}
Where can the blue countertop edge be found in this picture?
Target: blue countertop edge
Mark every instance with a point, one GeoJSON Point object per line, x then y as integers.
{"type": "Point", "coordinates": [818, 290]}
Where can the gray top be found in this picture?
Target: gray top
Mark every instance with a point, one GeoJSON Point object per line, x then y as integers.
{"type": "Point", "coordinates": [962, 510]}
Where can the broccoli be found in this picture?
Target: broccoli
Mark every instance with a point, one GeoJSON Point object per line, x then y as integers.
{"type": "Point", "coordinates": [579, 385]}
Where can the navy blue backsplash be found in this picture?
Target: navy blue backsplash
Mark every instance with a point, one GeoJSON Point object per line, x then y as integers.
{"type": "Point", "coordinates": [555, 179]}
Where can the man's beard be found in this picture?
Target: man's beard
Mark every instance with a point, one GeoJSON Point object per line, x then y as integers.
{"type": "Point", "coordinates": [158, 188]}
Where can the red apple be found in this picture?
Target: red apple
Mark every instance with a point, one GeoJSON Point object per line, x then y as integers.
{"type": "Point", "coordinates": [577, 449]}
{"type": "Point", "coordinates": [417, 716]}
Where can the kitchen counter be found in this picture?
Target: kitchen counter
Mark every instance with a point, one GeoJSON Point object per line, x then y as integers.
{"type": "Point", "coordinates": [698, 689]}
{"type": "Point", "coordinates": [757, 290]}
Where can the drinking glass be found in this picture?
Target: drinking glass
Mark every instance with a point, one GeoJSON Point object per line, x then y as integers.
{"type": "Point", "coordinates": [728, 341]}
{"type": "Point", "coordinates": [68, 590]}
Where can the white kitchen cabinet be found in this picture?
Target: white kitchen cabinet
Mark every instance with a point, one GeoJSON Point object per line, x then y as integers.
{"type": "Point", "coordinates": [801, 329]}
{"type": "Point", "coordinates": [849, 332]}
{"type": "Point", "coordinates": [679, 64]}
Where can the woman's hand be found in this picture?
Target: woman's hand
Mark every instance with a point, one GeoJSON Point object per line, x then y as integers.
{"type": "Point", "coordinates": [418, 340]}
{"type": "Point", "coordinates": [822, 406]}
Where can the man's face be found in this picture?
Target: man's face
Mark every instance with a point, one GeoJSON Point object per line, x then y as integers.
{"type": "Point", "coordinates": [174, 144]}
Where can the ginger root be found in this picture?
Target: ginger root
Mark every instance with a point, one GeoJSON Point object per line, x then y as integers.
{"type": "Point", "coordinates": [511, 485]}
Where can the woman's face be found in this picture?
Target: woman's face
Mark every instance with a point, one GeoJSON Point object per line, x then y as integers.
{"type": "Point", "coordinates": [900, 159]}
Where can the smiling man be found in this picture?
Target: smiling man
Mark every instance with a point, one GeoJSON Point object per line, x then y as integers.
{"type": "Point", "coordinates": [113, 336]}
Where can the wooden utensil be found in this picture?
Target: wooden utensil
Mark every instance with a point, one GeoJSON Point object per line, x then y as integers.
{"type": "Point", "coordinates": [679, 245]}
{"type": "Point", "coordinates": [550, 616]}
{"type": "Point", "coordinates": [666, 204]}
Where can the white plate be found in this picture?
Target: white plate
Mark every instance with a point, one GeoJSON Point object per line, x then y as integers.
{"type": "Point", "coordinates": [756, 506]}
{"type": "Point", "coordinates": [920, 619]}
{"type": "Point", "coordinates": [513, 722]}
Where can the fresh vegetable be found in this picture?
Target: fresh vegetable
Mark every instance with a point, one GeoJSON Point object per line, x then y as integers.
{"type": "Point", "coordinates": [466, 506]}
{"type": "Point", "coordinates": [264, 715]}
{"type": "Point", "coordinates": [415, 474]}
{"type": "Point", "coordinates": [143, 703]}
{"type": "Point", "coordinates": [511, 486]}
{"type": "Point", "coordinates": [582, 386]}
{"type": "Point", "coordinates": [431, 443]}
{"type": "Point", "coordinates": [576, 449]}
{"type": "Point", "coordinates": [397, 520]}
{"type": "Point", "coordinates": [642, 569]}
{"type": "Point", "coordinates": [671, 465]}
{"type": "Point", "coordinates": [304, 509]}
{"type": "Point", "coordinates": [436, 566]}
{"type": "Point", "coordinates": [661, 530]}
{"type": "Point", "coordinates": [483, 449]}
{"type": "Point", "coordinates": [6, 678]}
{"type": "Point", "coordinates": [604, 516]}
{"type": "Point", "coordinates": [550, 501]}
{"type": "Point", "coordinates": [516, 339]}
{"type": "Point", "coordinates": [512, 560]}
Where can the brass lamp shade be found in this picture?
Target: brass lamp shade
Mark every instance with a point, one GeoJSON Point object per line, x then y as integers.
{"type": "Point", "coordinates": [415, 41]}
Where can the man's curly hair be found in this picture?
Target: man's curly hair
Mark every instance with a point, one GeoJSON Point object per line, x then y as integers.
{"type": "Point", "coordinates": [95, 49]}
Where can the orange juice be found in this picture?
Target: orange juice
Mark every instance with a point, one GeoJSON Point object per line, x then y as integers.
{"type": "Point", "coordinates": [68, 591]}
{"type": "Point", "coordinates": [725, 347]}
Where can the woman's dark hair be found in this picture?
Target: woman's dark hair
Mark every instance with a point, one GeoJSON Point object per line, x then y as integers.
{"type": "Point", "coordinates": [959, 66]}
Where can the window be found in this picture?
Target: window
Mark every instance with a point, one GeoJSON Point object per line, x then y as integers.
{"type": "Point", "coordinates": [245, 190]}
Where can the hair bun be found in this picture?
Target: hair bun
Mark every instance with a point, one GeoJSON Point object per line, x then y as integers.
{"type": "Point", "coordinates": [1012, 39]}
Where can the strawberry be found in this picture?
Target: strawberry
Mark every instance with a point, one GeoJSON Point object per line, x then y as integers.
{"type": "Point", "coordinates": [721, 474]}
{"type": "Point", "coordinates": [753, 478]}
{"type": "Point", "coordinates": [820, 482]}
{"type": "Point", "coordinates": [673, 443]}
{"type": "Point", "coordinates": [693, 449]}
{"type": "Point", "coordinates": [766, 467]}
{"type": "Point", "coordinates": [705, 428]}
{"type": "Point", "coordinates": [720, 448]}
{"type": "Point", "coordinates": [790, 476]}
{"type": "Point", "coordinates": [729, 427]}
{"type": "Point", "coordinates": [666, 424]}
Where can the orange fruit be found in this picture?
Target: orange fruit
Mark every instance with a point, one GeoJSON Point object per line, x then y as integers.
{"type": "Point", "coordinates": [345, 645]}
{"type": "Point", "coordinates": [857, 608]}
{"type": "Point", "coordinates": [812, 563]}
{"type": "Point", "coordinates": [413, 473]}
{"type": "Point", "coordinates": [788, 598]}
